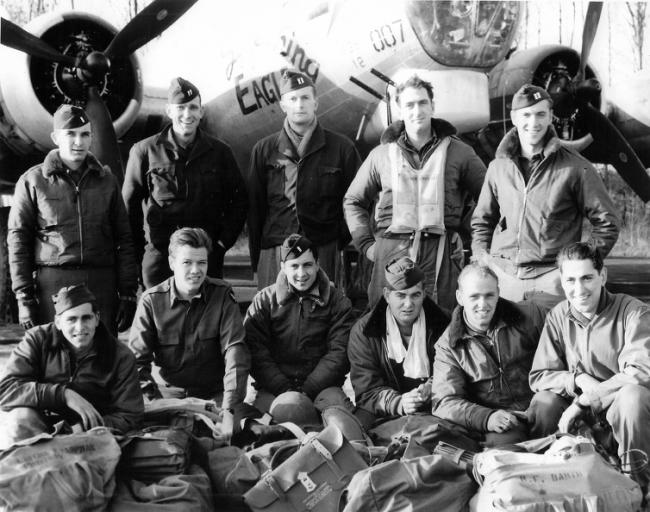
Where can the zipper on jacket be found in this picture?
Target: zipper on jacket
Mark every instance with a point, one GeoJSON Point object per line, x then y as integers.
{"type": "Point", "coordinates": [502, 376]}
{"type": "Point", "coordinates": [521, 216]}
{"type": "Point", "coordinates": [523, 209]}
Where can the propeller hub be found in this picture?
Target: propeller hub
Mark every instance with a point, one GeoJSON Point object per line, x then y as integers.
{"type": "Point", "coordinates": [94, 67]}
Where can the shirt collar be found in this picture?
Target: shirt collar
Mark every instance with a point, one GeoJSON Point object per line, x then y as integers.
{"type": "Point", "coordinates": [174, 297]}
{"type": "Point", "coordinates": [603, 302]}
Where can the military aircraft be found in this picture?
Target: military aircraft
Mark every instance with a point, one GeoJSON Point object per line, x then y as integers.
{"type": "Point", "coordinates": [351, 49]}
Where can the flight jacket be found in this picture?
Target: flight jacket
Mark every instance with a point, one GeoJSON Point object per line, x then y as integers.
{"type": "Point", "coordinates": [376, 387]}
{"type": "Point", "coordinates": [528, 224]}
{"type": "Point", "coordinates": [161, 195]}
{"type": "Point", "coordinates": [469, 383]}
{"type": "Point", "coordinates": [299, 341]}
{"type": "Point", "coordinates": [43, 365]}
{"type": "Point", "coordinates": [54, 222]}
{"type": "Point", "coordinates": [464, 175]}
{"type": "Point", "coordinates": [613, 347]}
{"type": "Point", "coordinates": [324, 173]}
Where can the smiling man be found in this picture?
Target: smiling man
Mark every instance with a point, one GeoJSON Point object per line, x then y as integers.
{"type": "Point", "coordinates": [191, 328]}
{"type": "Point", "coordinates": [535, 197]}
{"type": "Point", "coordinates": [68, 225]}
{"type": "Point", "coordinates": [480, 372]}
{"type": "Point", "coordinates": [391, 348]}
{"type": "Point", "coordinates": [420, 183]}
{"type": "Point", "coordinates": [297, 330]}
{"type": "Point", "coordinates": [182, 177]}
{"type": "Point", "coordinates": [593, 359]}
{"type": "Point", "coordinates": [296, 183]}
{"type": "Point", "coordinates": [72, 369]}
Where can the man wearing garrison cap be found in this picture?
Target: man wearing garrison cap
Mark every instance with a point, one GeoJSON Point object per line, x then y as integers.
{"type": "Point", "coordinates": [182, 177]}
{"type": "Point", "coordinates": [391, 349]}
{"type": "Point", "coordinates": [71, 369]}
{"type": "Point", "coordinates": [296, 183]}
{"type": "Point", "coordinates": [536, 195]}
{"type": "Point", "coordinates": [297, 331]}
{"type": "Point", "coordinates": [68, 225]}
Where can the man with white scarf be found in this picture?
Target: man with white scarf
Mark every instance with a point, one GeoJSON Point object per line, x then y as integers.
{"type": "Point", "coordinates": [391, 349]}
{"type": "Point", "coordinates": [480, 370]}
{"type": "Point", "coordinates": [296, 182]}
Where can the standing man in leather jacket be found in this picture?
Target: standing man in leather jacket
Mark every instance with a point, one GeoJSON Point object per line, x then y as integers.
{"type": "Point", "coordinates": [182, 177]}
{"type": "Point", "coordinates": [68, 226]}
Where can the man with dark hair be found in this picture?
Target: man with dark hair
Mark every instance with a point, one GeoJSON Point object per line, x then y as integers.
{"type": "Point", "coordinates": [71, 369]}
{"type": "Point", "coordinates": [182, 177]}
{"type": "Point", "coordinates": [593, 358]}
{"type": "Point", "coordinates": [296, 184]}
{"type": "Point", "coordinates": [480, 372]}
{"type": "Point", "coordinates": [391, 348]}
{"type": "Point", "coordinates": [297, 330]}
{"type": "Point", "coordinates": [536, 195]}
{"type": "Point", "coordinates": [422, 179]}
{"type": "Point", "coordinates": [68, 225]}
{"type": "Point", "coordinates": [191, 327]}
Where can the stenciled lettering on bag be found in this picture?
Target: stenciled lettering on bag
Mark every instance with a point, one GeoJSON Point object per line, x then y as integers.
{"type": "Point", "coordinates": [319, 495]}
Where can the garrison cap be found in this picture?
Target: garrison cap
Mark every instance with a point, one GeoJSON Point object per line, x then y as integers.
{"type": "Point", "coordinates": [181, 91]}
{"type": "Point", "coordinates": [67, 117]}
{"type": "Point", "coordinates": [295, 246]}
{"type": "Point", "coordinates": [529, 95]}
{"type": "Point", "coordinates": [294, 80]}
{"type": "Point", "coordinates": [70, 297]}
{"type": "Point", "coordinates": [402, 273]}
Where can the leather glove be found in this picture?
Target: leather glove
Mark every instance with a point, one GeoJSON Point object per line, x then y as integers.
{"type": "Point", "coordinates": [125, 314]}
{"type": "Point", "coordinates": [27, 309]}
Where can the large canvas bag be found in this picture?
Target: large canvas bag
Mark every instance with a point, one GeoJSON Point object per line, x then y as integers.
{"type": "Point", "coordinates": [191, 492]}
{"type": "Point", "coordinates": [68, 472]}
{"type": "Point", "coordinates": [156, 452]}
{"type": "Point", "coordinates": [569, 477]}
{"type": "Point", "coordinates": [423, 484]}
{"type": "Point", "coordinates": [313, 478]}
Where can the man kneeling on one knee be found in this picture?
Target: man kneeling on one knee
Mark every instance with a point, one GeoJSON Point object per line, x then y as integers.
{"type": "Point", "coordinates": [594, 354]}
{"type": "Point", "coordinates": [480, 373]}
{"type": "Point", "coordinates": [297, 330]}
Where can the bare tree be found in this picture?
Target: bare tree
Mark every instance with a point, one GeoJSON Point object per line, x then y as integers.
{"type": "Point", "coordinates": [637, 20]}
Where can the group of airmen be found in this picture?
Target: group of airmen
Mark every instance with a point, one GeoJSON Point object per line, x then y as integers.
{"type": "Point", "coordinates": [492, 346]}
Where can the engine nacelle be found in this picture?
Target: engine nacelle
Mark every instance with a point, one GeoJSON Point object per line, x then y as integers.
{"type": "Point", "coordinates": [31, 89]}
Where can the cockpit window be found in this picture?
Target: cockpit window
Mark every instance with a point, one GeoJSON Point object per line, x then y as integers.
{"type": "Point", "coordinates": [464, 33]}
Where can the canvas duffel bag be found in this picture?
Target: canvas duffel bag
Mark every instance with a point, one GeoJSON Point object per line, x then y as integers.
{"type": "Point", "coordinates": [313, 478]}
{"type": "Point", "coordinates": [65, 472]}
{"type": "Point", "coordinates": [155, 452]}
{"type": "Point", "coordinates": [423, 484]}
{"type": "Point", "coordinates": [570, 477]}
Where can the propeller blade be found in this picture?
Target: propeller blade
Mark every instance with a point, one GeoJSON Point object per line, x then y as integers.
{"type": "Point", "coordinates": [588, 34]}
{"type": "Point", "coordinates": [104, 145]}
{"type": "Point", "coordinates": [620, 153]}
{"type": "Point", "coordinates": [148, 23]}
{"type": "Point", "coordinates": [13, 36]}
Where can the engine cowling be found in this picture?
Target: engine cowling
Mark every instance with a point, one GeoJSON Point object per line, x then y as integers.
{"type": "Point", "coordinates": [31, 89]}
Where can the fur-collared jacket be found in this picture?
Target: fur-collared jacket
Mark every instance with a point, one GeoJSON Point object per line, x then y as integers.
{"type": "Point", "coordinates": [464, 175]}
{"type": "Point", "coordinates": [528, 223]}
{"type": "Point", "coordinates": [43, 365]}
{"type": "Point", "coordinates": [55, 222]}
{"type": "Point", "coordinates": [470, 382]}
{"type": "Point", "coordinates": [299, 341]}
{"type": "Point", "coordinates": [376, 387]}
